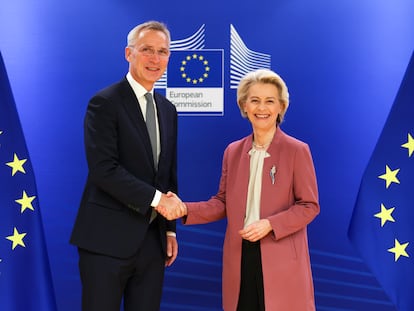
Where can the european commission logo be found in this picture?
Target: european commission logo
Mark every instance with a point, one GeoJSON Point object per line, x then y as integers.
{"type": "Point", "coordinates": [194, 80]}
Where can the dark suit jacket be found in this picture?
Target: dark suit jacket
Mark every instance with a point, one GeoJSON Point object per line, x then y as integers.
{"type": "Point", "coordinates": [114, 213]}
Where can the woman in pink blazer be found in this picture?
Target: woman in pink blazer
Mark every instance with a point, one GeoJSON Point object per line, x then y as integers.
{"type": "Point", "coordinates": [268, 193]}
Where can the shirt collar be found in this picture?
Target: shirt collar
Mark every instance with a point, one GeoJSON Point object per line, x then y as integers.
{"type": "Point", "coordinates": [138, 89]}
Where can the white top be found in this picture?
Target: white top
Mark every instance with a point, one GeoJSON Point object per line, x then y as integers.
{"type": "Point", "coordinates": [254, 191]}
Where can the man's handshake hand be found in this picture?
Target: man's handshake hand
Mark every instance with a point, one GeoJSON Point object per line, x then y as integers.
{"type": "Point", "coordinates": [171, 207]}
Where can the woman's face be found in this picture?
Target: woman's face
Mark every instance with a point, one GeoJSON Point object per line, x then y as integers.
{"type": "Point", "coordinates": [262, 106]}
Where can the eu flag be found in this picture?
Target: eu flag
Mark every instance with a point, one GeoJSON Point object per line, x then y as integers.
{"type": "Point", "coordinates": [382, 224]}
{"type": "Point", "coordinates": [25, 278]}
{"type": "Point", "coordinates": [195, 68]}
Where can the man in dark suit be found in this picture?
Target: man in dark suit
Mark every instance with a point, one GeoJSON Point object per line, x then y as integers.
{"type": "Point", "coordinates": [123, 243]}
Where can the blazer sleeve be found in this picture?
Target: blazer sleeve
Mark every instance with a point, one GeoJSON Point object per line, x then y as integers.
{"type": "Point", "coordinates": [215, 208]}
{"type": "Point", "coordinates": [304, 206]}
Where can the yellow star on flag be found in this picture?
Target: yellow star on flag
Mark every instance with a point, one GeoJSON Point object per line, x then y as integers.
{"type": "Point", "coordinates": [385, 214]}
{"type": "Point", "coordinates": [399, 249]}
{"type": "Point", "coordinates": [390, 176]}
{"type": "Point", "coordinates": [17, 165]}
{"type": "Point", "coordinates": [409, 145]}
{"type": "Point", "coordinates": [16, 238]}
{"type": "Point", "coordinates": [25, 202]}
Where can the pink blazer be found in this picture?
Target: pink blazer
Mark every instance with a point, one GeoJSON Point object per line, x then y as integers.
{"type": "Point", "coordinates": [290, 204]}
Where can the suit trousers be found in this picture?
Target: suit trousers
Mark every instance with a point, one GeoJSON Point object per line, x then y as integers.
{"type": "Point", "coordinates": [137, 280]}
{"type": "Point", "coordinates": [251, 297]}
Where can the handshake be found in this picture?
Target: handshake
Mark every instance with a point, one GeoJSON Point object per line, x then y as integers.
{"type": "Point", "coordinates": [171, 207]}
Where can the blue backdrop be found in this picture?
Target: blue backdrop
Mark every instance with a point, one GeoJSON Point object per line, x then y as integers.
{"type": "Point", "coordinates": [343, 62]}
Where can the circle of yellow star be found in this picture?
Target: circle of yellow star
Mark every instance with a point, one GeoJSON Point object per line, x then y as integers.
{"type": "Point", "coordinates": [399, 249]}
{"type": "Point", "coordinates": [390, 176]}
{"type": "Point", "coordinates": [17, 165]}
{"type": "Point", "coordinates": [385, 214]}
{"type": "Point", "coordinates": [16, 238]}
{"type": "Point", "coordinates": [186, 61]}
{"type": "Point", "coordinates": [25, 202]}
{"type": "Point", "coordinates": [409, 145]}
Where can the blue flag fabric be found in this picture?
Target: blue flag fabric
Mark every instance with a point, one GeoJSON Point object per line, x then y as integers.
{"type": "Point", "coordinates": [195, 68]}
{"type": "Point", "coordinates": [25, 278]}
{"type": "Point", "coordinates": [382, 224]}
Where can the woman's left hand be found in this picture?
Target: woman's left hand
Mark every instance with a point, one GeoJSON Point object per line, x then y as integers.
{"type": "Point", "coordinates": [256, 231]}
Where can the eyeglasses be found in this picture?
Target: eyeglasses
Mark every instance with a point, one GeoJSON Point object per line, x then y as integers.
{"type": "Point", "coordinates": [149, 52]}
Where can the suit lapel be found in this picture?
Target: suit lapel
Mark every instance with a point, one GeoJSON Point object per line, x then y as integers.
{"type": "Point", "coordinates": [134, 111]}
{"type": "Point", "coordinates": [243, 175]}
{"type": "Point", "coordinates": [271, 164]}
{"type": "Point", "coordinates": [162, 122]}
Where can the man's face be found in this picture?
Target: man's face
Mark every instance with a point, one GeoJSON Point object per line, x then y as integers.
{"type": "Point", "coordinates": [148, 57]}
